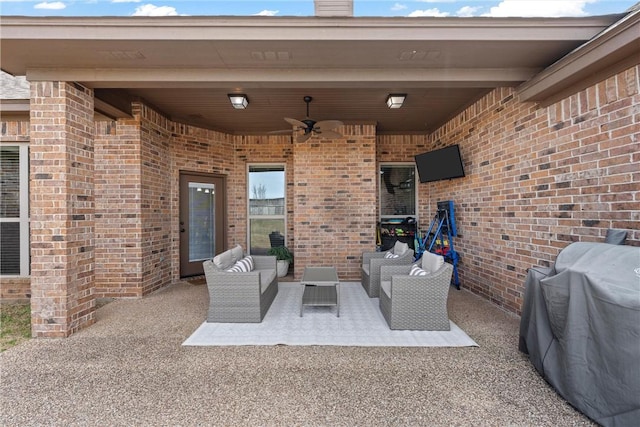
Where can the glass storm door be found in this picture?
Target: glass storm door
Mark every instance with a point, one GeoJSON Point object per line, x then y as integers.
{"type": "Point", "coordinates": [202, 222]}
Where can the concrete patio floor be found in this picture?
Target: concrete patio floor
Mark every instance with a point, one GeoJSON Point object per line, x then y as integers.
{"type": "Point", "coordinates": [130, 369]}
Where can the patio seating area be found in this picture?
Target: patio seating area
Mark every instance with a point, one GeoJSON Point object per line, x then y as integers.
{"type": "Point", "coordinates": [131, 369]}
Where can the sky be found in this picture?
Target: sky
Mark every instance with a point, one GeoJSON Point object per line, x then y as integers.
{"type": "Point", "coordinates": [405, 8]}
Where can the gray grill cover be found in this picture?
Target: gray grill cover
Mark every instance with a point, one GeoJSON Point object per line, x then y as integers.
{"type": "Point", "coordinates": [580, 327]}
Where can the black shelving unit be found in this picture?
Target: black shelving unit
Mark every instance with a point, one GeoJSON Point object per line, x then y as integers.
{"type": "Point", "coordinates": [392, 230]}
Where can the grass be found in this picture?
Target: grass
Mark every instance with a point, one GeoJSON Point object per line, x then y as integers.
{"type": "Point", "coordinates": [260, 229]}
{"type": "Point", "coordinates": [15, 324]}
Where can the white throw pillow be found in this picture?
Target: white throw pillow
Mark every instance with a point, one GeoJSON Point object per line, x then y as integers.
{"type": "Point", "coordinates": [237, 253]}
{"type": "Point", "coordinates": [417, 271]}
{"type": "Point", "coordinates": [431, 262]}
{"type": "Point", "coordinates": [223, 260]}
{"type": "Point", "coordinates": [400, 247]}
{"type": "Point", "coordinates": [391, 255]}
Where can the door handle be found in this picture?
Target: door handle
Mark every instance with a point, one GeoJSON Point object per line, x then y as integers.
{"type": "Point", "coordinates": [182, 230]}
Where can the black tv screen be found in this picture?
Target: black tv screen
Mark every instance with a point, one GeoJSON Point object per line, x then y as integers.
{"type": "Point", "coordinates": [436, 165]}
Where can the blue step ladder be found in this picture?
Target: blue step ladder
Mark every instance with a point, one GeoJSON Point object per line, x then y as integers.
{"type": "Point", "coordinates": [438, 238]}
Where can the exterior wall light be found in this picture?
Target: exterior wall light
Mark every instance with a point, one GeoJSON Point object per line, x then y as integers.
{"type": "Point", "coordinates": [396, 100]}
{"type": "Point", "coordinates": [239, 100]}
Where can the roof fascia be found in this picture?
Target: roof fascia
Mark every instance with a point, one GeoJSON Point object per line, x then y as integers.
{"type": "Point", "coordinates": [337, 77]}
{"type": "Point", "coordinates": [615, 49]}
{"type": "Point", "coordinates": [305, 28]}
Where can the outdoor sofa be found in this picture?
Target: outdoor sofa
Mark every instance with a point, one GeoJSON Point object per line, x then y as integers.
{"type": "Point", "coordinates": [241, 287]}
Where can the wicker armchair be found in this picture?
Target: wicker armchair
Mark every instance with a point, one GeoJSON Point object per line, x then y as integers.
{"type": "Point", "coordinates": [276, 239]}
{"type": "Point", "coordinates": [372, 261]}
{"type": "Point", "coordinates": [242, 297]}
{"type": "Point", "coordinates": [416, 302]}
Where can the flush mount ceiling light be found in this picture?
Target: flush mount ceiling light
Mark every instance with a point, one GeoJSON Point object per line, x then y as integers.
{"type": "Point", "coordinates": [395, 100]}
{"type": "Point", "coordinates": [238, 100]}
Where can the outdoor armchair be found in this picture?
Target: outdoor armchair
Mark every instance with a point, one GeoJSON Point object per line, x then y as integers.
{"type": "Point", "coordinates": [416, 302]}
{"type": "Point", "coordinates": [372, 261]}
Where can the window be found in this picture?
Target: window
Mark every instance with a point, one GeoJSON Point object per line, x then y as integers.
{"type": "Point", "coordinates": [202, 221]}
{"type": "Point", "coordinates": [397, 190]}
{"type": "Point", "coordinates": [267, 207]}
{"type": "Point", "coordinates": [14, 210]}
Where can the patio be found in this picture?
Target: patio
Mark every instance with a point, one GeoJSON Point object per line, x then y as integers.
{"type": "Point", "coordinates": [131, 369]}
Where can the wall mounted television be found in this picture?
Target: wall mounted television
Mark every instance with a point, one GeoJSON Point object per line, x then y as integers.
{"type": "Point", "coordinates": [436, 165]}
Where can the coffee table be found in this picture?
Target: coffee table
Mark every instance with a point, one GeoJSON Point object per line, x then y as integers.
{"type": "Point", "coordinates": [321, 287]}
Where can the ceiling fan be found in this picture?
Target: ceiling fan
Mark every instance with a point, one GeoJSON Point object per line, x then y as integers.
{"type": "Point", "coordinates": [322, 128]}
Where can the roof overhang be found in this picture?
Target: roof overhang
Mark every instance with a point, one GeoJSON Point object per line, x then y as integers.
{"type": "Point", "coordinates": [614, 50]}
{"type": "Point", "coordinates": [185, 66]}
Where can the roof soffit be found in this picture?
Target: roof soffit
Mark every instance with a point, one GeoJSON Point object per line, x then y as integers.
{"type": "Point", "coordinates": [185, 66]}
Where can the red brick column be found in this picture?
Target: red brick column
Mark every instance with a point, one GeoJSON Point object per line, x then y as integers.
{"type": "Point", "coordinates": [62, 209]}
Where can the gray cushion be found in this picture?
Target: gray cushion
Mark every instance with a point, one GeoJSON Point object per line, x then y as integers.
{"type": "Point", "coordinates": [385, 286]}
{"type": "Point", "coordinates": [224, 260]}
{"type": "Point", "coordinates": [237, 253]}
{"type": "Point", "coordinates": [400, 247]}
{"type": "Point", "coordinates": [266, 277]}
{"type": "Point", "coordinates": [431, 262]}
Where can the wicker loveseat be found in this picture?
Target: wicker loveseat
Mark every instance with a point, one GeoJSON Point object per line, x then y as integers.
{"type": "Point", "coordinates": [416, 299]}
{"type": "Point", "coordinates": [240, 296]}
{"type": "Point", "coordinates": [400, 254]}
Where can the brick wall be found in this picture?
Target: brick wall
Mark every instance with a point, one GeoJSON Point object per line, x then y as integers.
{"type": "Point", "coordinates": [135, 226]}
{"type": "Point", "coordinates": [14, 129]}
{"type": "Point", "coordinates": [540, 178]}
{"type": "Point", "coordinates": [62, 208]}
{"type": "Point", "coordinates": [15, 289]}
{"type": "Point", "coordinates": [118, 160]}
{"type": "Point", "coordinates": [156, 196]}
{"type": "Point", "coordinates": [335, 201]}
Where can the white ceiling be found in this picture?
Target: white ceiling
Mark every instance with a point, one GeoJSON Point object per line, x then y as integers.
{"type": "Point", "coordinates": [186, 66]}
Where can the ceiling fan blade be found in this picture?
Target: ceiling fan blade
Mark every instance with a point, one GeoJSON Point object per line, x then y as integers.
{"type": "Point", "coordinates": [296, 123]}
{"type": "Point", "coordinates": [325, 125]}
{"type": "Point", "coordinates": [329, 134]}
{"type": "Point", "coordinates": [304, 137]}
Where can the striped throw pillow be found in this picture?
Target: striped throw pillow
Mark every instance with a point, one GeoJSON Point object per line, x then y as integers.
{"type": "Point", "coordinates": [246, 263]}
{"type": "Point", "coordinates": [242, 266]}
{"type": "Point", "coordinates": [391, 255]}
{"type": "Point", "coordinates": [417, 271]}
{"type": "Point", "coordinates": [235, 269]}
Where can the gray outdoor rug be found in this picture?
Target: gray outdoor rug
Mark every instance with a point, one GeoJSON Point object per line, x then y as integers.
{"type": "Point", "coordinates": [360, 324]}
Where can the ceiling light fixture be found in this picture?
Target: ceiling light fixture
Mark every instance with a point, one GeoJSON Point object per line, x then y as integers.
{"type": "Point", "coordinates": [238, 100]}
{"type": "Point", "coordinates": [395, 100]}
